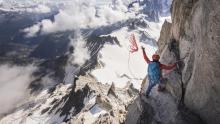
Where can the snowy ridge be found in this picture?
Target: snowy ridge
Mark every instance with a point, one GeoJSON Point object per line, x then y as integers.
{"type": "Point", "coordinates": [46, 108]}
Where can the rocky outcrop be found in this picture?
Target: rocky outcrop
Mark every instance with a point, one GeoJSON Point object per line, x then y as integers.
{"type": "Point", "coordinates": [85, 102]}
{"type": "Point", "coordinates": [108, 102]}
{"type": "Point", "coordinates": [159, 108]}
{"type": "Point", "coordinates": [164, 35]}
{"type": "Point", "coordinates": [194, 37]}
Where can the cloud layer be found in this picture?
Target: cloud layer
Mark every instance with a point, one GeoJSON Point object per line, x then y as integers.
{"type": "Point", "coordinates": [79, 14]}
{"type": "Point", "coordinates": [81, 52]}
{"type": "Point", "coordinates": [14, 82]}
{"type": "Point", "coordinates": [39, 9]}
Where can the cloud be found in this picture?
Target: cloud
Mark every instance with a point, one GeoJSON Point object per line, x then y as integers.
{"type": "Point", "coordinates": [81, 14]}
{"type": "Point", "coordinates": [39, 9]}
{"type": "Point", "coordinates": [48, 82]}
{"type": "Point", "coordinates": [32, 31]}
{"type": "Point", "coordinates": [14, 82]}
{"type": "Point", "coordinates": [33, 6]}
{"type": "Point", "coordinates": [81, 52]}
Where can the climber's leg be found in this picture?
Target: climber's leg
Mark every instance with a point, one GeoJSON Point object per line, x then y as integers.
{"type": "Point", "coordinates": [162, 85]}
{"type": "Point", "coordinates": [150, 86]}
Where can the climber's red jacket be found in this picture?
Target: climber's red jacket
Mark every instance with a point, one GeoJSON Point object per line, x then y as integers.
{"type": "Point", "coordinates": [162, 66]}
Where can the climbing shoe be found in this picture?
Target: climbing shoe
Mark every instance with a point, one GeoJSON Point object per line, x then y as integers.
{"type": "Point", "coordinates": [161, 88]}
{"type": "Point", "coordinates": [147, 96]}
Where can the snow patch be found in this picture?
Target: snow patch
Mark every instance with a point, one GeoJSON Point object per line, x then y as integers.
{"type": "Point", "coordinates": [120, 65]}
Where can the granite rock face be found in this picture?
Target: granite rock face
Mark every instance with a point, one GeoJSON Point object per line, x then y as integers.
{"type": "Point", "coordinates": [164, 35]}
{"type": "Point", "coordinates": [194, 36]}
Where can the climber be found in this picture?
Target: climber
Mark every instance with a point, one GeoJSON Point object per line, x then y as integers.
{"type": "Point", "coordinates": [154, 71]}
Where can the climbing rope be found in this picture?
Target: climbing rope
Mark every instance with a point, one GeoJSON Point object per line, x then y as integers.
{"type": "Point", "coordinates": [130, 71]}
{"type": "Point", "coordinates": [133, 48]}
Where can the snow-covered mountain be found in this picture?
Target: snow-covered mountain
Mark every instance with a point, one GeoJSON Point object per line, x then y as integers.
{"type": "Point", "coordinates": [78, 59]}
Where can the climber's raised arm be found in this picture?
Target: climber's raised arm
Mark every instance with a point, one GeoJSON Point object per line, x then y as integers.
{"type": "Point", "coordinates": [145, 56]}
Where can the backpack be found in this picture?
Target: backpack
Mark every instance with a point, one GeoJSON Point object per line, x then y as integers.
{"type": "Point", "coordinates": [154, 72]}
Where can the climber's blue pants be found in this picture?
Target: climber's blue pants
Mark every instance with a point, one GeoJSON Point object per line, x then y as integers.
{"type": "Point", "coordinates": [150, 86]}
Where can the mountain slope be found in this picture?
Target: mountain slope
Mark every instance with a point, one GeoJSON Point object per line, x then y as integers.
{"type": "Point", "coordinates": [84, 79]}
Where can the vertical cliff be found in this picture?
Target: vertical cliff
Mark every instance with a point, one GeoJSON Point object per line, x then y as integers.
{"type": "Point", "coordinates": [193, 37]}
